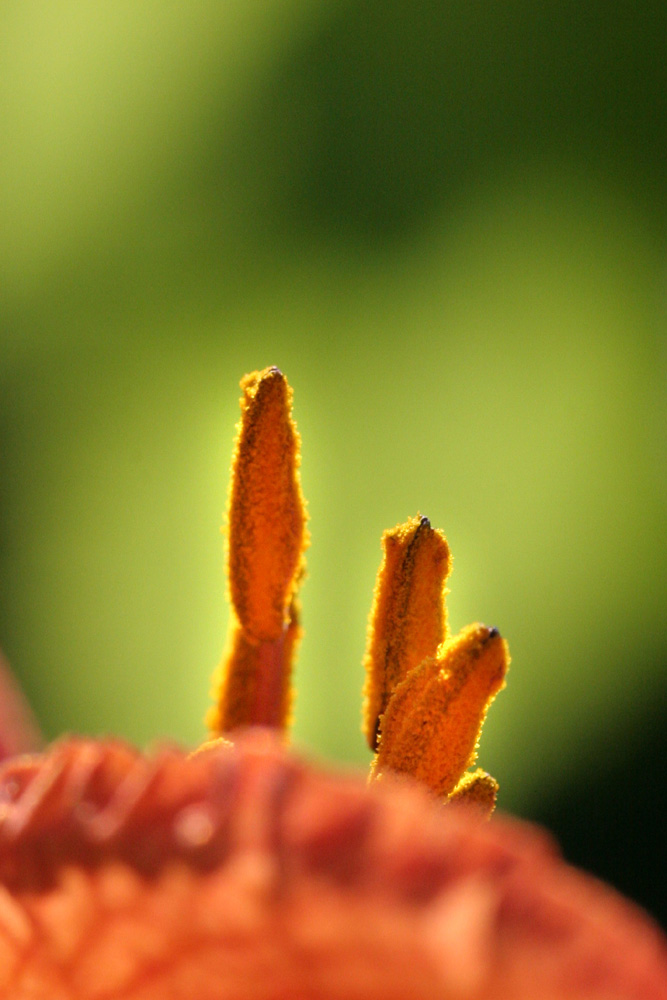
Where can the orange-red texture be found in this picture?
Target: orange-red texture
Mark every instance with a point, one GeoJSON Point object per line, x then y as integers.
{"type": "Point", "coordinates": [243, 874]}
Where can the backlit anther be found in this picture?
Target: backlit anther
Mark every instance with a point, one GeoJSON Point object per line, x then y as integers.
{"type": "Point", "coordinates": [478, 789]}
{"type": "Point", "coordinates": [266, 540]}
{"type": "Point", "coordinates": [431, 725]}
{"type": "Point", "coordinates": [408, 621]}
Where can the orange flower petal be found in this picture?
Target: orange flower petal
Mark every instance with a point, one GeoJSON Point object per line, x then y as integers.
{"type": "Point", "coordinates": [242, 873]}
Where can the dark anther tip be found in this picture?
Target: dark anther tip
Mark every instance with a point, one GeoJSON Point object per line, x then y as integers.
{"type": "Point", "coordinates": [493, 633]}
{"type": "Point", "coordinates": [424, 523]}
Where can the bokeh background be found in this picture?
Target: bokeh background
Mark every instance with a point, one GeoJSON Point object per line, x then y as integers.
{"type": "Point", "coordinates": [446, 222]}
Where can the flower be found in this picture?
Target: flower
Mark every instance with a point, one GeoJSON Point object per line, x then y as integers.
{"type": "Point", "coordinates": [241, 872]}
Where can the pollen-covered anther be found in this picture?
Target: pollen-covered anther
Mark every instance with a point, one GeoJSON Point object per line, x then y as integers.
{"type": "Point", "coordinates": [267, 517]}
{"type": "Point", "coordinates": [433, 719]}
{"type": "Point", "coordinates": [408, 621]}
{"type": "Point", "coordinates": [477, 789]}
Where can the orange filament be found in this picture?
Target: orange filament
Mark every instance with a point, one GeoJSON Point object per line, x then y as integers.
{"type": "Point", "coordinates": [252, 685]}
{"type": "Point", "coordinates": [408, 621]}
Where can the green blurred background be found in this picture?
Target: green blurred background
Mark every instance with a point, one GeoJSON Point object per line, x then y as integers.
{"type": "Point", "coordinates": [446, 223]}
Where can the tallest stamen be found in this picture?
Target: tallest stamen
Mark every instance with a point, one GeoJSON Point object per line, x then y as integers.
{"type": "Point", "coordinates": [266, 540]}
{"type": "Point", "coordinates": [266, 509]}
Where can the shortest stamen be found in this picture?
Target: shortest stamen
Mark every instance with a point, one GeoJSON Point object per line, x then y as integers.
{"type": "Point", "coordinates": [431, 726]}
{"type": "Point", "coordinates": [477, 789]}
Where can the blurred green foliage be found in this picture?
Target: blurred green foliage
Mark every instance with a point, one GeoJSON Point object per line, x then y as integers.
{"type": "Point", "coordinates": [446, 223]}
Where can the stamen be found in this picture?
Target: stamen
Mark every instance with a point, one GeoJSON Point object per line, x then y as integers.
{"type": "Point", "coordinates": [266, 540]}
{"type": "Point", "coordinates": [267, 518]}
{"type": "Point", "coordinates": [477, 789]}
{"type": "Point", "coordinates": [252, 684]}
{"type": "Point", "coordinates": [408, 621]}
{"type": "Point", "coordinates": [431, 726]}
